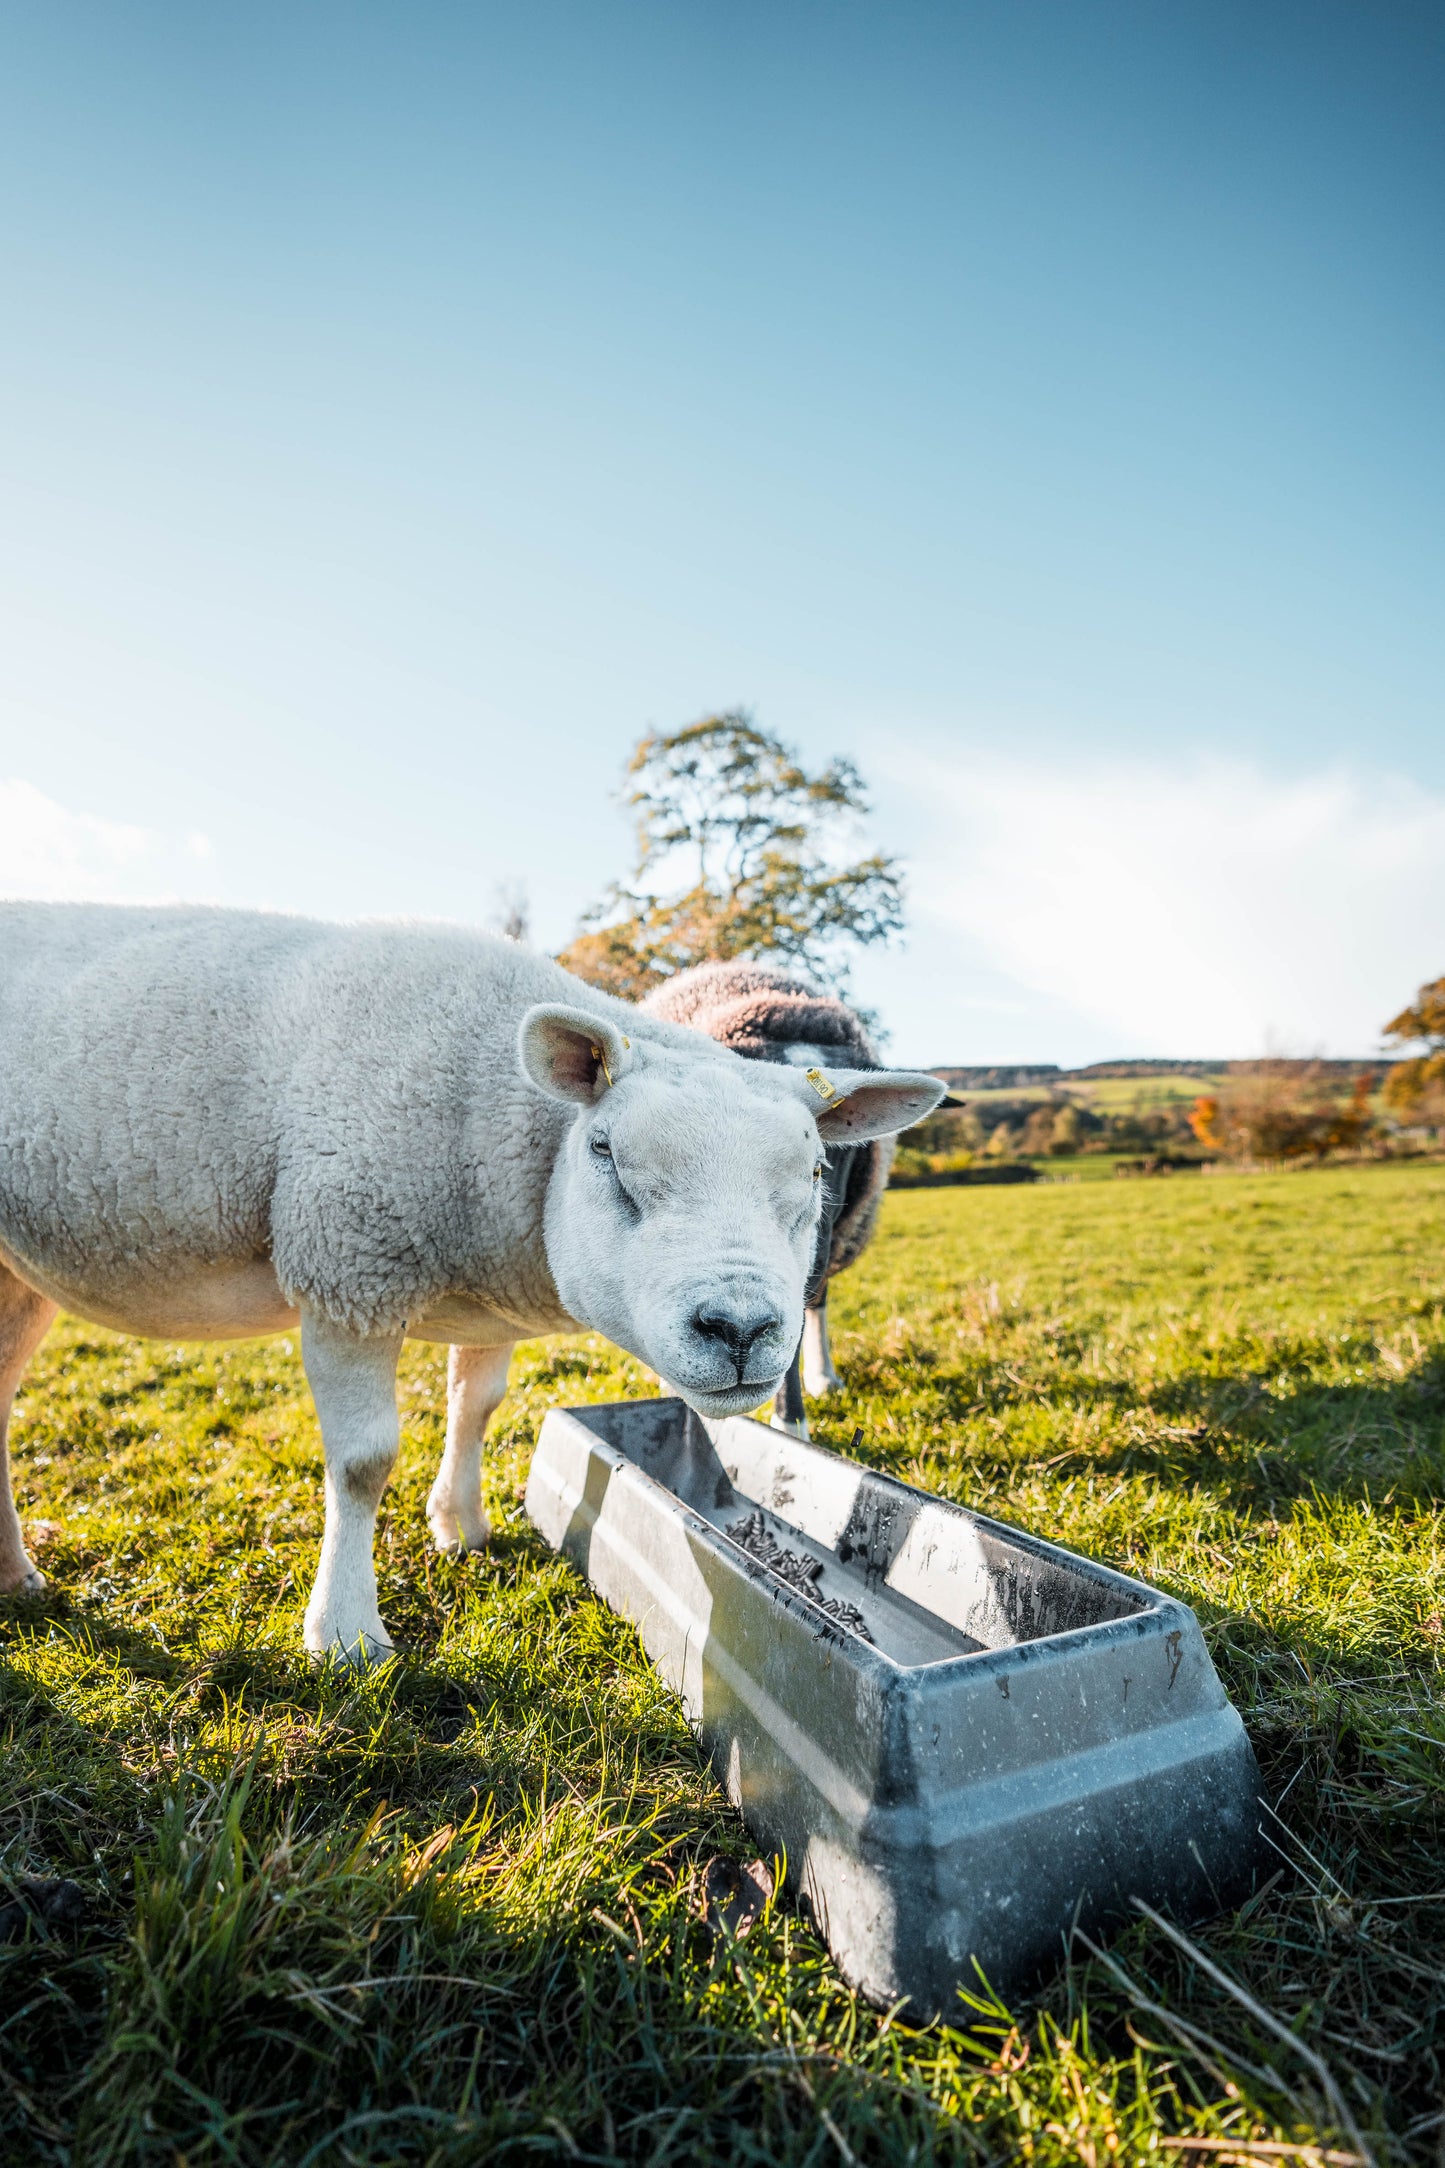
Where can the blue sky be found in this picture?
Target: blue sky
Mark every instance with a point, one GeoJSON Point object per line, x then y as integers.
{"type": "Point", "coordinates": [402, 408]}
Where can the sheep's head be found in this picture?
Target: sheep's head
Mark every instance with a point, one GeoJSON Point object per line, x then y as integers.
{"type": "Point", "coordinates": [683, 1207]}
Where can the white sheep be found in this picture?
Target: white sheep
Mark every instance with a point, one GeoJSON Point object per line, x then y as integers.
{"type": "Point", "coordinates": [218, 1124]}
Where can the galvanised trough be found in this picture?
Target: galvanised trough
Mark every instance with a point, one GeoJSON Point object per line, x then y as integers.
{"type": "Point", "coordinates": [962, 1739]}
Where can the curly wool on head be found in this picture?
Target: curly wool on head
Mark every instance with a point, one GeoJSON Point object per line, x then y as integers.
{"type": "Point", "coordinates": [760, 1010]}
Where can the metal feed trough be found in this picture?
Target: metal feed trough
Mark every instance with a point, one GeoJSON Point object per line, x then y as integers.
{"type": "Point", "coordinates": [963, 1739]}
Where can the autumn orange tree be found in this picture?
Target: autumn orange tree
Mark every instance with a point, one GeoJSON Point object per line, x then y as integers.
{"type": "Point", "coordinates": [740, 852]}
{"type": "Point", "coordinates": [1282, 1110]}
{"type": "Point", "coordinates": [1415, 1089]}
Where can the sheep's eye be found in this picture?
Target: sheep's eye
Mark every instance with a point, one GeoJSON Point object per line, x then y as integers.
{"type": "Point", "coordinates": [818, 1172]}
{"type": "Point", "coordinates": [602, 1148]}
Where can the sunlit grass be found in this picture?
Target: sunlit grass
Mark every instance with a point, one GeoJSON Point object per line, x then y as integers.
{"type": "Point", "coordinates": [450, 1912]}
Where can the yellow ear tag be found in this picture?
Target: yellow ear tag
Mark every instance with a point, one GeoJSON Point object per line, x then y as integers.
{"type": "Point", "coordinates": [827, 1091]}
{"type": "Point", "coordinates": [599, 1057]}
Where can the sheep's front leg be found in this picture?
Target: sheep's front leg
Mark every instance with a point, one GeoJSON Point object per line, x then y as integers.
{"type": "Point", "coordinates": [476, 1383]}
{"type": "Point", "coordinates": [353, 1383]}
{"type": "Point", "coordinates": [819, 1376]}
{"type": "Point", "coordinates": [24, 1320]}
{"type": "Point", "coordinates": [788, 1410]}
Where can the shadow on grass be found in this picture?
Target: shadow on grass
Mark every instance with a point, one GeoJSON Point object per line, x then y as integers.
{"type": "Point", "coordinates": [1250, 1438]}
{"type": "Point", "coordinates": [350, 1999]}
{"type": "Point", "coordinates": [1369, 1441]}
{"type": "Point", "coordinates": [292, 1983]}
{"type": "Point", "coordinates": [535, 1984]}
{"type": "Point", "coordinates": [67, 1805]}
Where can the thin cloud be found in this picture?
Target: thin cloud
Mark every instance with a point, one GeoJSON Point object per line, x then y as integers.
{"type": "Point", "coordinates": [1192, 907]}
{"type": "Point", "coordinates": [50, 854]}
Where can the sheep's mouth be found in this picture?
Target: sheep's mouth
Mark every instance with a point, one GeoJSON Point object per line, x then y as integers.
{"type": "Point", "coordinates": [738, 1399]}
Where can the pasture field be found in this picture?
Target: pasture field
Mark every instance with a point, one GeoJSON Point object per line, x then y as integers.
{"type": "Point", "coordinates": [1090, 1167]}
{"type": "Point", "coordinates": [1106, 1095]}
{"type": "Point", "coordinates": [450, 1912]}
{"type": "Point", "coordinates": [1145, 1094]}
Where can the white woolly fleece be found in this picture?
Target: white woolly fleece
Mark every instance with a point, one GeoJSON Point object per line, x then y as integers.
{"type": "Point", "coordinates": [213, 1122]}
{"type": "Point", "coordinates": [219, 1086]}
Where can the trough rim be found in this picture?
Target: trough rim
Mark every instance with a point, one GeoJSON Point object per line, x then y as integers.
{"type": "Point", "coordinates": [1152, 1609]}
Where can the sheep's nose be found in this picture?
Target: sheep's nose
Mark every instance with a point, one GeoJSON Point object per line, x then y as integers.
{"type": "Point", "coordinates": [738, 1334]}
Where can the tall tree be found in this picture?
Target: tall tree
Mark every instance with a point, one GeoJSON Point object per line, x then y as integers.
{"type": "Point", "coordinates": [740, 852]}
{"type": "Point", "coordinates": [1415, 1089]}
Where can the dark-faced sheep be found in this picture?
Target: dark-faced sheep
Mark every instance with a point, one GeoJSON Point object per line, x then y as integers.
{"type": "Point", "coordinates": [768, 1014]}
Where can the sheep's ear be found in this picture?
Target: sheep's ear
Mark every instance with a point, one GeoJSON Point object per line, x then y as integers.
{"type": "Point", "coordinates": [852, 1105]}
{"type": "Point", "coordinates": [570, 1055]}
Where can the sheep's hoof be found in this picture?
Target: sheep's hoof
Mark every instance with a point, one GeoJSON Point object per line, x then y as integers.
{"type": "Point", "coordinates": [29, 1582]}
{"type": "Point", "coordinates": [455, 1534]}
{"type": "Point", "coordinates": [360, 1651]}
{"type": "Point", "coordinates": [368, 1651]}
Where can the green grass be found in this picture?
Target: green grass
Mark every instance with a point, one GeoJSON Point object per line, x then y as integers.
{"type": "Point", "coordinates": [1083, 1166]}
{"type": "Point", "coordinates": [1106, 1095]}
{"type": "Point", "coordinates": [1141, 1094]}
{"type": "Point", "coordinates": [450, 1913]}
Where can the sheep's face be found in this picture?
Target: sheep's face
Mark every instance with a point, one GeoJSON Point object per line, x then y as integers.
{"type": "Point", "coordinates": [683, 1207]}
